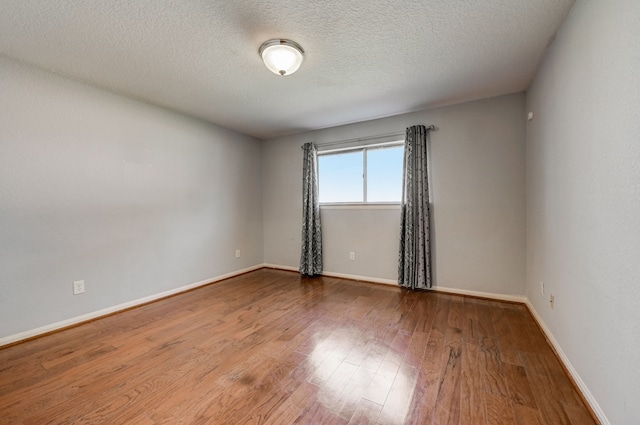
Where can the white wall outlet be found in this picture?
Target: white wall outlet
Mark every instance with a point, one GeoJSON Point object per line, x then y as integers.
{"type": "Point", "coordinates": [237, 253]}
{"type": "Point", "coordinates": [352, 256]}
{"type": "Point", "coordinates": [552, 301]}
{"type": "Point", "coordinates": [78, 287]}
{"type": "Point", "coordinates": [542, 287]}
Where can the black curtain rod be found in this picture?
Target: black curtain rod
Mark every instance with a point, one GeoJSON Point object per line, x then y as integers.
{"type": "Point", "coordinates": [359, 139]}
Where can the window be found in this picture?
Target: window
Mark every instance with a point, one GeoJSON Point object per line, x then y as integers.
{"type": "Point", "coordinates": [371, 174]}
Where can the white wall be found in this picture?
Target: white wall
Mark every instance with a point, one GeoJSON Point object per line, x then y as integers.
{"type": "Point", "coordinates": [134, 199]}
{"type": "Point", "coordinates": [583, 199]}
{"type": "Point", "coordinates": [478, 194]}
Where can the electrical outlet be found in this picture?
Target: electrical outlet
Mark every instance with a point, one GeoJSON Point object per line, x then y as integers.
{"type": "Point", "coordinates": [78, 287]}
{"type": "Point", "coordinates": [237, 253]}
{"type": "Point", "coordinates": [352, 256]}
{"type": "Point", "coordinates": [552, 301]}
{"type": "Point", "coordinates": [542, 287]}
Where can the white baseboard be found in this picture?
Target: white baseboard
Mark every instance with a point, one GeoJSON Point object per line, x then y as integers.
{"type": "Point", "coordinates": [392, 282]}
{"type": "Point", "coordinates": [489, 295]}
{"type": "Point", "coordinates": [110, 310]}
{"type": "Point", "coordinates": [569, 367]}
{"type": "Point", "coordinates": [279, 267]}
{"type": "Point", "coordinates": [361, 278]}
{"type": "Point", "coordinates": [339, 275]}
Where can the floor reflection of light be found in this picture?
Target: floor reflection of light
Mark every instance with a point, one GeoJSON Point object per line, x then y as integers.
{"type": "Point", "coordinates": [346, 370]}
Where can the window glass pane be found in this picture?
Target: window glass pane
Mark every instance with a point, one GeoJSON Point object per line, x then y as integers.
{"type": "Point", "coordinates": [384, 174]}
{"type": "Point", "coordinates": [341, 177]}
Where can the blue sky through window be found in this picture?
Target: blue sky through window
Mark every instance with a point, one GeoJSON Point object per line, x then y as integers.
{"type": "Point", "coordinates": [384, 174]}
{"type": "Point", "coordinates": [342, 180]}
{"type": "Point", "coordinates": [341, 177]}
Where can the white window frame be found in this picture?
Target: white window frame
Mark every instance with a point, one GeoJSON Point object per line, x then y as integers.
{"type": "Point", "coordinates": [364, 203]}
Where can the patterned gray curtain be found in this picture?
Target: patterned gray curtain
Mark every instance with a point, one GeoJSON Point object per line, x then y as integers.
{"type": "Point", "coordinates": [311, 252]}
{"type": "Point", "coordinates": [414, 263]}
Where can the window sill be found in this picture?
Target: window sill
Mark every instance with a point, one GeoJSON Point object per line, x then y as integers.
{"type": "Point", "coordinates": [361, 206]}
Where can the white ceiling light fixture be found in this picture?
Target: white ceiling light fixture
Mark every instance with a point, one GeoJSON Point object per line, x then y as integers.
{"type": "Point", "coordinates": [282, 57]}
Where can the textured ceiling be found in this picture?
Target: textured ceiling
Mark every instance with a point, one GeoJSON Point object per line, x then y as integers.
{"type": "Point", "coordinates": [365, 58]}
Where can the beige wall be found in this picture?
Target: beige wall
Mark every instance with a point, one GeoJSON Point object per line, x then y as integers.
{"type": "Point", "coordinates": [134, 199]}
{"type": "Point", "coordinates": [478, 199]}
{"type": "Point", "coordinates": [583, 200]}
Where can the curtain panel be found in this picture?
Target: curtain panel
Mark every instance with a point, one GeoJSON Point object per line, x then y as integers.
{"type": "Point", "coordinates": [414, 263]}
{"type": "Point", "coordinates": [311, 250]}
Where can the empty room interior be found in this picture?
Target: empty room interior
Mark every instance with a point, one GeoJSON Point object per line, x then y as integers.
{"type": "Point", "coordinates": [165, 259]}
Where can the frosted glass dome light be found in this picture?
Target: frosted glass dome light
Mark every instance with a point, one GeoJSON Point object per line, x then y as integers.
{"type": "Point", "coordinates": [282, 57]}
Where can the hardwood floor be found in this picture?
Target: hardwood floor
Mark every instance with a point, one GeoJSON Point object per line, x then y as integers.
{"type": "Point", "coordinates": [271, 347]}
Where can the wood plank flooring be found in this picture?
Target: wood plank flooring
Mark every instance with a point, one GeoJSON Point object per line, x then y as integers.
{"type": "Point", "coordinates": [272, 347]}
